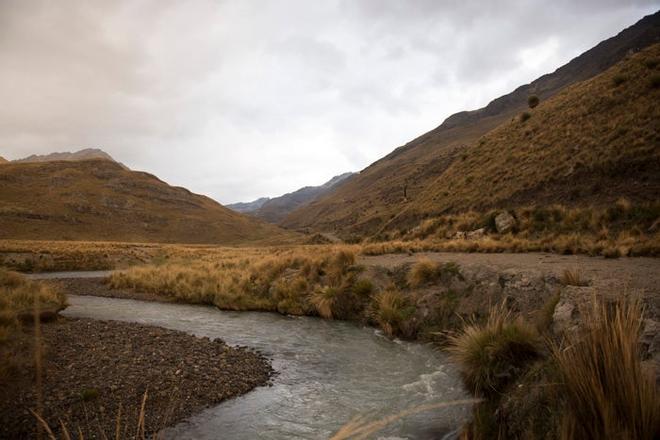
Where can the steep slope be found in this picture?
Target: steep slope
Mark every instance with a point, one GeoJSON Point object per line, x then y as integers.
{"type": "Point", "coordinates": [248, 207]}
{"type": "Point", "coordinates": [589, 145]}
{"type": "Point", "coordinates": [101, 200]}
{"type": "Point", "coordinates": [380, 192]}
{"type": "Point", "coordinates": [2, 160]}
{"type": "Point", "coordinates": [85, 154]}
{"type": "Point", "coordinates": [277, 208]}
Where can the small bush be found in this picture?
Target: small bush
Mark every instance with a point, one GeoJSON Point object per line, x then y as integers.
{"type": "Point", "coordinates": [89, 394]}
{"type": "Point", "coordinates": [654, 82]}
{"type": "Point", "coordinates": [609, 394]}
{"type": "Point", "coordinates": [533, 101]}
{"type": "Point", "coordinates": [363, 288]}
{"type": "Point", "coordinates": [617, 80]}
{"type": "Point", "coordinates": [524, 116]}
{"type": "Point", "coordinates": [651, 63]}
{"type": "Point", "coordinates": [494, 354]}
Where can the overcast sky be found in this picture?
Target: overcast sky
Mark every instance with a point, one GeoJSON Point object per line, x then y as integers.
{"type": "Point", "coordinates": [241, 99]}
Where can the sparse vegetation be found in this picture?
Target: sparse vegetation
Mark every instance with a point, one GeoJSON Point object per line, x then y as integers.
{"type": "Point", "coordinates": [533, 101]}
{"type": "Point", "coordinates": [524, 116]}
{"type": "Point", "coordinates": [494, 354]}
{"type": "Point", "coordinates": [608, 392]}
{"type": "Point", "coordinates": [573, 278]}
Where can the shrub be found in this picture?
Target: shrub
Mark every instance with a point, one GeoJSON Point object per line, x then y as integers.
{"type": "Point", "coordinates": [363, 288]}
{"type": "Point", "coordinates": [533, 101]}
{"type": "Point", "coordinates": [608, 393]}
{"type": "Point", "coordinates": [524, 116]}
{"type": "Point", "coordinates": [617, 80]}
{"type": "Point", "coordinates": [651, 63]}
{"type": "Point", "coordinates": [654, 82]}
{"type": "Point", "coordinates": [494, 354]}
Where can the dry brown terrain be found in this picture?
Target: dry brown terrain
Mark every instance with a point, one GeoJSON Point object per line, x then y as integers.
{"type": "Point", "coordinates": [101, 200]}
{"type": "Point", "coordinates": [414, 174]}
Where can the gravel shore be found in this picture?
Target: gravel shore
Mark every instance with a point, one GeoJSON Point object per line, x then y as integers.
{"type": "Point", "coordinates": [94, 368]}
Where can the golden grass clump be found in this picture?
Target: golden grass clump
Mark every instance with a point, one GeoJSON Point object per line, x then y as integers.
{"type": "Point", "coordinates": [493, 354]}
{"type": "Point", "coordinates": [608, 392]}
{"type": "Point", "coordinates": [17, 297]}
{"type": "Point", "coordinates": [573, 278]}
{"type": "Point", "coordinates": [393, 311]}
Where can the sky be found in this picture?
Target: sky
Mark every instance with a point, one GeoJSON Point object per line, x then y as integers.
{"type": "Point", "coordinates": [240, 99]}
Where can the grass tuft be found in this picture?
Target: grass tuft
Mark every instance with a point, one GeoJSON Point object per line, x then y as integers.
{"type": "Point", "coordinates": [494, 354]}
{"type": "Point", "coordinates": [608, 393]}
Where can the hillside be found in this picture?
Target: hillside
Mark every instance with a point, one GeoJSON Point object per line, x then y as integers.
{"type": "Point", "coordinates": [248, 207]}
{"type": "Point", "coordinates": [276, 209]}
{"type": "Point", "coordinates": [366, 203]}
{"type": "Point", "coordinates": [2, 160]}
{"type": "Point", "coordinates": [85, 154]}
{"type": "Point", "coordinates": [591, 144]}
{"type": "Point", "coordinates": [101, 200]}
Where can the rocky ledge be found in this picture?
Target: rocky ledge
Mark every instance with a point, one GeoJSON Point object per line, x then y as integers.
{"type": "Point", "coordinates": [94, 371]}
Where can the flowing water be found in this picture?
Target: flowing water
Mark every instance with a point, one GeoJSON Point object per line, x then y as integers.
{"type": "Point", "coordinates": [327, 373]}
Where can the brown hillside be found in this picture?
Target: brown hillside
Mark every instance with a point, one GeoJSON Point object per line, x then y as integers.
{"type": "Point", "coordinates": [368, 201]}
{"type": "Point", "coordinates": [101, 200]}
{"type": "Point", "coordinates": [2, 160]}
{"type": "Point", "coordinates": [591, 144]}
{"type": "Point", "coordinates": [85, 154]}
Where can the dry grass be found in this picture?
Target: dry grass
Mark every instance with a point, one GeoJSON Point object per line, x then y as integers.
{"type": "Point", "coordinates": [493, 354]}
{"type": "Point", "coordinates": [573, 278]}
{"type": "Point", "coordinates": [608, 392]}
{"type": "Point", "coordinates": [393, 311]}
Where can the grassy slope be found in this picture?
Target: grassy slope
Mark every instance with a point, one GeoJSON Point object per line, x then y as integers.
{"type": "Point", "coordinates": [369, 200]}
{"type": "Point", "coordinates": [100, 200]}
{"type": "Point", "coordinates": [594, 142]}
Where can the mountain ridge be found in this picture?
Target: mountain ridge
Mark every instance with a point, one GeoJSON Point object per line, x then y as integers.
{"type": "Point", "coordinates": [383, 189]}
{"type": "Point", "coordinates": [98, 199]}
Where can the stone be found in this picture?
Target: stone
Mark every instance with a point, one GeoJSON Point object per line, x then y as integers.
{"type": "Point", "coordinates": [504, 222]}
{"type": "Point", "coordinates": [476, 234]}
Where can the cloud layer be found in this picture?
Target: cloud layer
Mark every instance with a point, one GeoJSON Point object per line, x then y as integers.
{"type": "Point", "coordinates": [241, 99]}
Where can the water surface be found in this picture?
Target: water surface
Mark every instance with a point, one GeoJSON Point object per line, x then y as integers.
{"type": "Point", "coordinates": [328, 372]}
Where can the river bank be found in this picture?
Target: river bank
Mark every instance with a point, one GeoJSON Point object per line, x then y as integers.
{"type": "Point", "coordinates": [94, 371]}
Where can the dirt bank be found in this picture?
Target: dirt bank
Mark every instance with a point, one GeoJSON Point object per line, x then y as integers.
{"type": "Point", "coordinates": [94, 368]}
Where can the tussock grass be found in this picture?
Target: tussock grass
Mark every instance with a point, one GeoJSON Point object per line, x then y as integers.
{"type": "Point", "coordinates": [426, 272]}
{"type": "Point", "coordinates": [608, 392]}
{"type": "Point", "coordinates": [493, 354]}
{"type": "Point", "coordinates": [394, 313]}
{"type": "Point", "coordinates": [573, 278]}
{"type": "Point", "coordinates": [17, 297]}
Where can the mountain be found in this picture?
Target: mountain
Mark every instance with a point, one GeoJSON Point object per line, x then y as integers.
{"type": "Point", "coordinates": [589, 145]}
{"type": "Point", "coordinates": [387, 188]}
{"type": "Point", "coordinates": [99, 199]}
{"type": "Point", "coordinates": [275, 209]}
{"type": "Point", "coordinates": [3, 160]}
{"type": "Point", "coordinates": [85, 154]}
{"type": "Point", "coordinates": [248, 207]}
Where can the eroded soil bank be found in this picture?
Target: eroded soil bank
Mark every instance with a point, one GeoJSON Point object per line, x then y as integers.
{"type": "Point", "coordinates": [94, 368]}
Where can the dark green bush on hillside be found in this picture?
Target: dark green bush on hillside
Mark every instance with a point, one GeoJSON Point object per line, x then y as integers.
{"type": "Point", "coordinates": [533, 101]}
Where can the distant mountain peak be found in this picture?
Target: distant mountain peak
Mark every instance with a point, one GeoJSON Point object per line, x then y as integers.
{"type": "Point", "coordinates": [84, 154]}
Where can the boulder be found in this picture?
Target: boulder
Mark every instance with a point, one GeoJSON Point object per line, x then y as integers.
{"type": "Point", "coordinates": [504, 222]}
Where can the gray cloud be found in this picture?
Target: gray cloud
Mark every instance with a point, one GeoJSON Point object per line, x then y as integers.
{"type": "Point", "coordinates": [240, 99]}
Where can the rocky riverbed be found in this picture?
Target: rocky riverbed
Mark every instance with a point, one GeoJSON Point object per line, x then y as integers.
{"type": "Point", "coordinates": [97, 371]}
